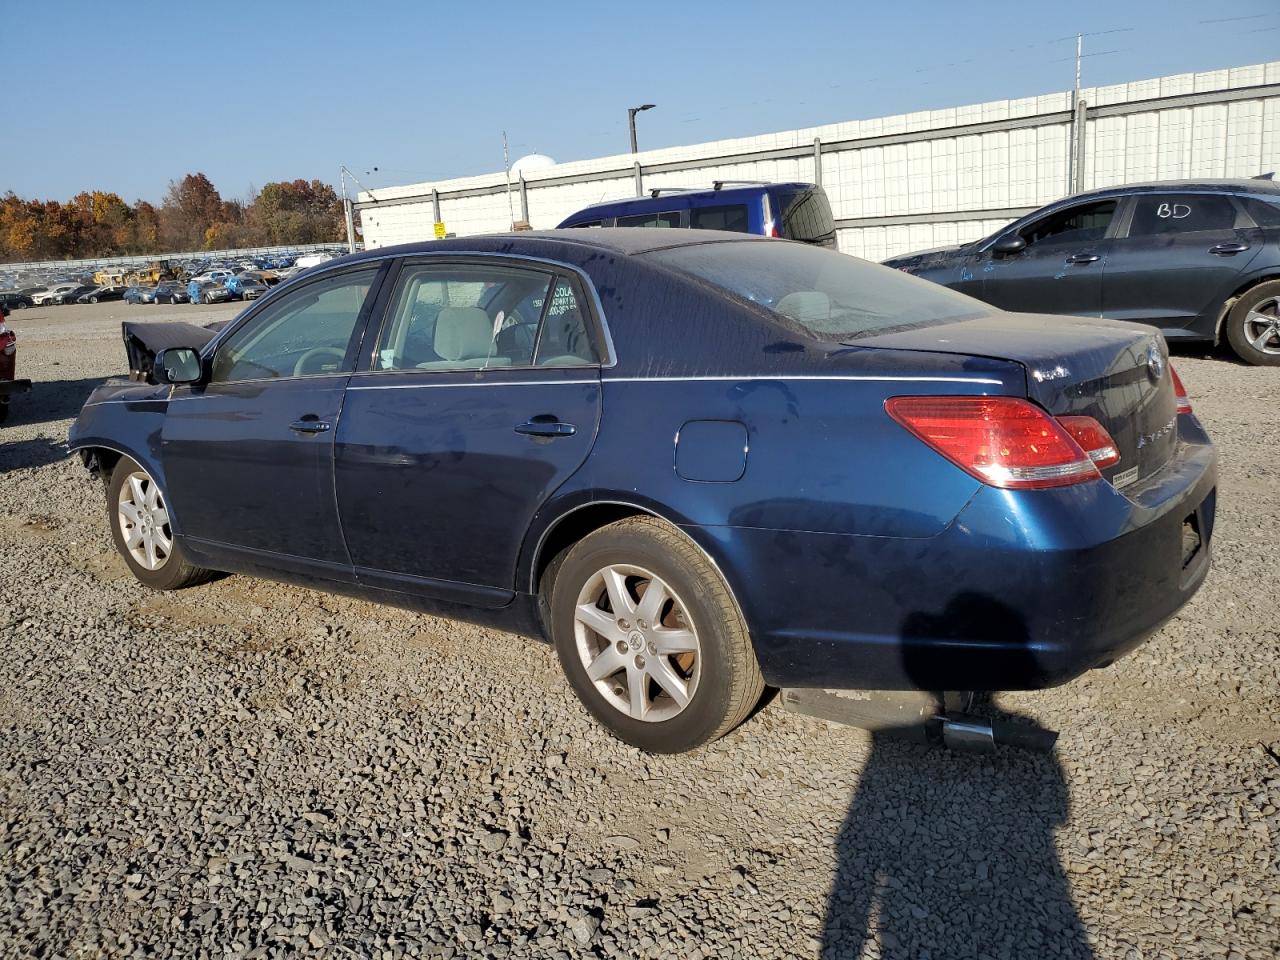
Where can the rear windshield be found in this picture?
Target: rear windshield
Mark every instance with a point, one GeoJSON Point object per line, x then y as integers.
{"type": "Point", "coordinates": [829, 295]}
{"type": "Point", "coordinates": [805, 215]}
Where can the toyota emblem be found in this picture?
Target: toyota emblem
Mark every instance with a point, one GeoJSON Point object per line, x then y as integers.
{"type": "Point", "coordinates": [1155, 364]}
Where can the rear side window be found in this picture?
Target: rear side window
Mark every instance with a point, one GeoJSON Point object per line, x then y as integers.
{"type": "Point", "coordinates": [671, 219]}
{"type": "Point", "coordinates": [1166, 213]}
{"type": "Point", "coordinates": [805, 215]}
{"type": "Point", "coordinates": [731, 217]}
{"type": "Point", "coordinates": [1264, 213]}
{"type": "Point", "coordinates": [828, 295]}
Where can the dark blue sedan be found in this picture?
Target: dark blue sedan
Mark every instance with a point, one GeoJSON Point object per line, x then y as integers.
{"type": "Point", "coordinates": [697, 463]}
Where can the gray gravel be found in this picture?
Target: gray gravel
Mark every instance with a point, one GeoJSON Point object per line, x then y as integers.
{"type": "Point", "coordinates": [249, 769]}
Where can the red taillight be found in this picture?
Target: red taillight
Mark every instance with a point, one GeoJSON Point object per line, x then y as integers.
{"type": "Point", "coordinates": [1180, 392]}
{"type": "Point", "coordinates": [1093, 439]}
{"type": "Point", "coordinates": [1006, 442]}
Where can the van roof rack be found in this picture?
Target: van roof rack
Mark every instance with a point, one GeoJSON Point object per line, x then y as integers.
{"type": "Point", "coordinates": [719, 184]}
{"type": "Point", "coordinates": [659, 191]}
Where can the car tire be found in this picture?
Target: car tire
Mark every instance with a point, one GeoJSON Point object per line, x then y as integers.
{"type": "Point", "coordinates": [170, 570]}
{"type": "Point", "coordinates": [632, 674]}
{"type": "Point", "coordinates": [1253, 325]}
{"type": "Point", "coordinates": [93, 299]}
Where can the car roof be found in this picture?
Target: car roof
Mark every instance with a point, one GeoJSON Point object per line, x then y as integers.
{"type": "Point", "coordinates": [1224, 185]}
{"type": "Point", "coordinates": [625, 241]}
{"type": "Point", "coordinates": [681, 196]}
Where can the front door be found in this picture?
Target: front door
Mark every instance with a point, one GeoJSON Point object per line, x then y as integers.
{"type": "Point", "coordinates": [248, 454]}
{"type": "Point", "coordinates": [1178, 260]}
{"type": "Point", "coordinates": [481, 398]}
{"type": "Point", "coordinates": [1060, 269]}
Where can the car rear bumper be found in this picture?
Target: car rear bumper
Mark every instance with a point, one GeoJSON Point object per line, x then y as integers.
{"type": "Point", "coordinates": [1023, 590]}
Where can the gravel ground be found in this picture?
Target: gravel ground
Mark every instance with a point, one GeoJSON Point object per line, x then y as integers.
{"type": "Point", "coordinates": [250, 769]}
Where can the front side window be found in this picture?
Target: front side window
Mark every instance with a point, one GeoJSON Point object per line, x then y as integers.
{"type": "Point", "coordinates": [731, 217]}
{"type": "Point", "coordinates": [307, 333]}
{"type": "Point", "coordinates": [1157, 214]}
{"type": "Point", "coordinates": [1086, 223]}
{"type": "Point", "coordinates": [670, 219]}
{"type": "Point", "coordinates": [465, 317]}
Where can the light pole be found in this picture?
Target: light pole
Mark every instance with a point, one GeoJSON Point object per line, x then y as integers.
{"type": "Point", "coordinates": [631, 121]}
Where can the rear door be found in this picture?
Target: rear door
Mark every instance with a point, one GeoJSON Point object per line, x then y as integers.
{"type": "Point", "coordinates": [1176, 258]}
{"type": "Point", "coordinates": [481, 397]}
{"type": "Point", "coordinates": [1060, 269]}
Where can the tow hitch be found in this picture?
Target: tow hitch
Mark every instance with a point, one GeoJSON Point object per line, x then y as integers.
{"type": "Point", "coordinates": [920, 716]}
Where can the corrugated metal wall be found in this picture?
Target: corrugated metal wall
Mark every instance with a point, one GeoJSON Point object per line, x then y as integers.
{"type": "Point", "coordinates": [910, 181]}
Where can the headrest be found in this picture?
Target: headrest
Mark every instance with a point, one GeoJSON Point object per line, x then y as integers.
{"type": "Point", "coordinates": [462, 333]}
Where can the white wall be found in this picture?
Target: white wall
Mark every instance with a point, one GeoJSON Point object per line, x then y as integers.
{"type": "Point", "coordinates": [985, 174]}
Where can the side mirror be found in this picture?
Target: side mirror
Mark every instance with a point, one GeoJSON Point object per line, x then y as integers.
{"type": "Point", "coordinates": [1008, 245]}
{"type": "Point", "coordinates": [177, 365]}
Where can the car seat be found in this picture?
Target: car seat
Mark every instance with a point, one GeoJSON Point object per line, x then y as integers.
{"type": "Point", "coordinates": [463, 338]}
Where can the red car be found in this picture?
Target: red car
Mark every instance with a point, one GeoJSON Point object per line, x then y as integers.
{"type": "Point", "coordinates": [8, 362]}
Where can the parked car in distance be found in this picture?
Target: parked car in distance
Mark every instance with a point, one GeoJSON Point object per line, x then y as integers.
{"type": "Point", "coordinates": [1198, 259]}
{"type": "Point", "coordinates": [170, 292]}
{"type": "Point", "coordinates": [13, 300]}
{"type": "Point", "coordinates": [207, 291]}
{"type": "Point", "coordinates": [101, 294]}
{"type": "Point", "coordinates": [793, 211]}
{"type": "Point", "coordinates": [245, 287]}
{"type": "Point", "coordinates": [697, 464]}
{"type": "Point", "coordinates": [140, 294]}
{"type": "Point", "coordinates": [75, 293]}
{"type": "Point", "coordinates": [51, 295]}
{"type": "Point", "coordinates": [9, 384]}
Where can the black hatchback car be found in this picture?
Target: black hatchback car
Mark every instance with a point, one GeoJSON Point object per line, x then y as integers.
{"type": "Point", "coordinates": [1198, 259]}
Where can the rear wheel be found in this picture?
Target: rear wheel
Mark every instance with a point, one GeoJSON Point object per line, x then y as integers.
{"type": "Point", "coordinates": [1253, 325]}
{"type": "Point", "coordinates": [650, 638]}
{"type": "Point", "coordinates": [140, 526]}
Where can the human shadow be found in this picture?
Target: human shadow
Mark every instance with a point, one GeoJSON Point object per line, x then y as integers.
{"type": "Point", "coordinates": [951, 855]}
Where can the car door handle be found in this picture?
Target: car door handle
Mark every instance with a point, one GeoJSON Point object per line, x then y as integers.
{"type": "Point", "coordinates": [310, 426]}
{"type": "Point", "coordinates": [1083, 258]}
{"type": "Point", "coordinates": [1229, 249]}
{"type": "Point", "coordinates": [546, 426]}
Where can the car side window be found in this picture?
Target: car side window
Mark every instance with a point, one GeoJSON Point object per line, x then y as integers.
{"type": "Point", "coordinates": [1264, 213]}
{"type": "Point", "coordinates": [306, 333]}
{"type": "Point", "coordinates": [1085, 223]}
{"type": "Point", "coordinates": [564, 340]}
{"type": "Point", "coordinates": [732, 217]}
{"type": "Point", "coordinates": [463, 317]}
{"type": "Point", "coordinates": [1158, 214]}
{"type": "Point", "coordinates": [671, 219]}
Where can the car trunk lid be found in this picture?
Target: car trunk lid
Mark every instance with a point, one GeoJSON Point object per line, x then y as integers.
{"type": "Point", "coordinates": [1116, 373]}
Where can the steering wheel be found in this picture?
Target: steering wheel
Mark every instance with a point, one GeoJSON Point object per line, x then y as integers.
{"type": "Point", "coordinates": [300, 368]}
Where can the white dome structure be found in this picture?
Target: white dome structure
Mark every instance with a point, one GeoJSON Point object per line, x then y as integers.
{"type": "Point", "coordinates": [530, 163]}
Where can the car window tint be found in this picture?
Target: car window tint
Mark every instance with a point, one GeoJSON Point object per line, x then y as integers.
{"type": "Point", "coordinates": [462, 317]}
{"type": "Point", "coordinates": [1265, 213]}
{"type": "Point", "coordinates": [732, 217]}
{"type": "Point", "coordinates": [1082, 224]}
{"type": "Point", "coordinates": [306, 333]}
{"type": "Point", "coordinates": [1164, 213]}
{"type": "Point", "coordinates": [805, 215]}
{"type": "Point", "coordinates": [829, 295]}
{"type": "Point", "coordinates": [564, 340]}
{"type": "Point", "coordinates": [671, 219]}
{"type": "Point", "coordinates": [588, 223]}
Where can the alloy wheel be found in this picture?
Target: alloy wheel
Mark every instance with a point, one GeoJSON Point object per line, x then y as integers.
{"type": "Point", "coordinates": [1262, 326]}
{"type": "Point", "coordinates": [144, 521]}
{"type": "Point", "coordinates": [637, 643]}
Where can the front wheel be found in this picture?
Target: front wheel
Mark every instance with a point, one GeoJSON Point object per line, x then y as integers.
{"type": "Point", "coordinates": [650, 638]}
{"type": "Point", "coordinates": [140, 526]}
{"type": "Point", "coordinates": [93, 299]}
{"type": "Point", "coordinates": [1253, 325]}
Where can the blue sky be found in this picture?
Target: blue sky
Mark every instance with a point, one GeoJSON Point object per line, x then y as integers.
{"type": "Point", "coordinates": [249, 93]}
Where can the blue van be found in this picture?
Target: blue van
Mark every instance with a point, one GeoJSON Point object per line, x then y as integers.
{"type": "Point", "coordinates": [793, 211]}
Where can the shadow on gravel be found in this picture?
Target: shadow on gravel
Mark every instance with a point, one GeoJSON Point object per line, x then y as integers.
{"type": "Point", "coordinates": [49, 401]}
{"type": "Point", "coordinates": [952, 854]}
{"type": "Point", "coordinates": [30, 453]}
